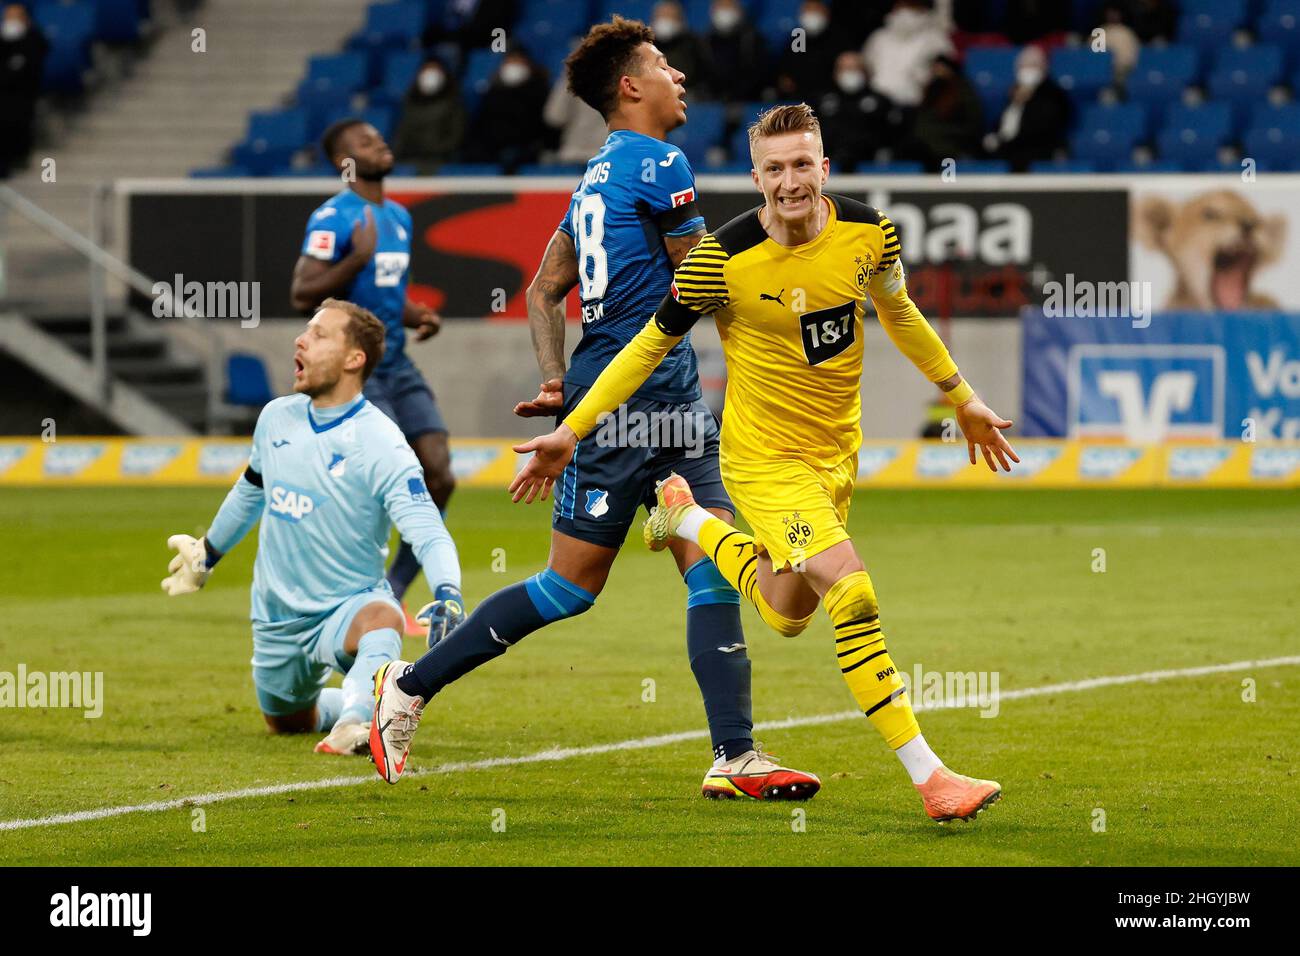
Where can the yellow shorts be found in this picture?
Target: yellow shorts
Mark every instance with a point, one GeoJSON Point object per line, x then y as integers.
{"type": "Point", "coordinates": [796, 509]}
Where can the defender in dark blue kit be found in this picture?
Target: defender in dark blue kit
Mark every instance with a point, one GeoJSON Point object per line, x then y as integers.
{"type": "Point", "coordinates": [358, 247]}
{"type": "Point", "coordinates": [631, 221]}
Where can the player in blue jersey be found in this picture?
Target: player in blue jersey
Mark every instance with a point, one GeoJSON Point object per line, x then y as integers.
{"type": "Point", "coordinates": [358, 248]}
{"type": "Point", "coordinates": [632, 219]}
{"type": "Point", "coordinates": [328, 476]}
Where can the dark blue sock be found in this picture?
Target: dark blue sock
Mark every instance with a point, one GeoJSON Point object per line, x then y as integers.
{"type": "Point", "coordinates": [500, 621]}
{"type": "Point", "coordinates": [403, 570]}
{"type": "Point", "coordinates": [715, 644]}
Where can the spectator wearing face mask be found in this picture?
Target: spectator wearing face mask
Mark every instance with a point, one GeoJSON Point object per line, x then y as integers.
{"type": "Point", "coordinates": [684, 49]}
{"type": "Point", "coordinates": [737, 54]}
{"type": "Point", "coordinates": [509, 127]}
{"type": "Point", "coordinates": [856, 120]}
{"type": "Point", "coordinates": [433, 119]}
{"type": "Point", "coordinates": [901, 52]}
{"type": "Point", "coordinates": [949, 119]}
{"type": "Point", "coordinates": [1036, 119]}
{"type": "Point", "coordinates": [806, 74]}
{"type": "Point", "coordinates": [22, 58]}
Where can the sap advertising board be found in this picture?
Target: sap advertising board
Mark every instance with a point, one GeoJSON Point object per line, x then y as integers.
{"type": "Point", "coordinates": [1186, 376]}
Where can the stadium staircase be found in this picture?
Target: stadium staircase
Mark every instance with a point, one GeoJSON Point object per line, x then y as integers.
{"type": "Point", "coordinates": [174, 110]}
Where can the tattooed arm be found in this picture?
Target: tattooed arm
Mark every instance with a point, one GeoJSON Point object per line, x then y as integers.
{"type": "Point", "coordinates": [557, 274]}
{"type": "Point", "coordinates": [678, 246]}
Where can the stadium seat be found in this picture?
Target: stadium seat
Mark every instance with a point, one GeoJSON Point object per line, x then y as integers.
{"type": "Point", "coordinates": [1152, 166]}
{"type": "Point", "coordinates": [400, 70]}
{"type": "Point", "coordinates": [1130, 119]}
{"type": "Point", "coordinates": [382, 118]}
{"type": "Point", "coordinates": [334, 74]}
{"type": "Point", "coordinates": [273, 138]}
{"type": "Point", "coordinates": [480, 67]}
{"type": "Point", "coordinates": [1273, 148]}
{"type": "Point", "coordinates": [393, 25]}
{"type": "Point", "coordinates": [775, 23]}
{"type": "Point", "coordinates": [1212, 29]}
{"type": "Point", "coordinates": [702, 132]}
{"type": "Point", "coordinates": [246, 380]}
{"type": "Point", "coordinates": [1161, 75]}
{"type": "Point", "coordinates": [1062, 166]}
{"type": "Point", "coordinates": [992, 71]}
{"type": "Point", "coordinates": [1279, 25]}
{"type": "Point", "coordinates": [895, 168]}
{"type": "Point", "coordinates": [69, 30]}
{"type": "Point", "coordinates": [698, 15]}
{"type": "Point", "coordinates": [118, 21]}
{"type": "Point", "coordinates": [1081, 72]}
{"type": "Point", "coordinates": [982, 167]}
{"type": "Point", "coordinates": [1102, 146]}
{"type": "Point", "coordinates": [1244, 75]}
{"type": "Point", "coordinates": [1192, 135]}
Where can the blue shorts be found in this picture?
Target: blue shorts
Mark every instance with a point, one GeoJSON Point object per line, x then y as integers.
{"type": "Point", "coordinates": [401, 393]}
{"type": "Point", "coordinates": [290, 670]}
{"type": "Point", "coordinates": [614, 469]}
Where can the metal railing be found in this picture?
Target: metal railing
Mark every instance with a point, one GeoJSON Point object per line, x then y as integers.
{"type": "Point", "coordinates": [204, 337]}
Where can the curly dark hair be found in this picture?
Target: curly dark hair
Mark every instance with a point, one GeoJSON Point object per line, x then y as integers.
{"type": "Point", "coordinates": [606, 54]}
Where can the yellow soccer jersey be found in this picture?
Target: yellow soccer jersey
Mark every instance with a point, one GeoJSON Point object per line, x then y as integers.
{"type": "Point", "coordinates": [790, 319]}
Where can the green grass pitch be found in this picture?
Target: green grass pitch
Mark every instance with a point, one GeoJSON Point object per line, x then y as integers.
{"type": "Point", "coordinates": [1181, 771]}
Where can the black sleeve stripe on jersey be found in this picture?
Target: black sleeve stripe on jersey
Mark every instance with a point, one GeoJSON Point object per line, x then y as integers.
{"type": "Point", "coordinates": [677, 216]}
{"type": "Point", "coordinates": [673, 318]}
{"type": "Point", "coordinates": [743, 232]}
{"type": "Point", "coordinates": [850, 210]}
{"type": "Point", "coordinates": [252, 477]}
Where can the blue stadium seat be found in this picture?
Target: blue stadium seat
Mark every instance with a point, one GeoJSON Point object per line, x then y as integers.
{"type": "Point", "coordinates": [1243, 76]}
{"type": "Point", "coordinates": [1161, 75]}
{"type": "Point", "coordinates": [982, 167]}
{"type": "Point", "coordinates": [1130, 119]}
{"type": "Point", "coordinates": [1153, 166]}
{"type": "Point", "coordinates": [480, 67]}
{"type": "Point", "coordinates": [1062, 166]}
{"type": "Point", "coordinates": [69, 30]}
{"type": "Point", "coordinates": [1081, 72]}
{"type": "Point", "coordinates": [1284, 118]}
{"type": "Point", "coordinates": [273, 138]}
{"type": "Point", "coordinates": [1210, 30]}
{"type": "Point", "coordinates": [382, 118]}
{"type": "Point", "coordinates": [895, 168]}
{"type": "Point", "coordinates": [992, 71]}
{"type": "Point", "coordinates": [394, 25]}
{"type": "Point", "coordinates": [697, 15]}
{"type": "Point", "coordinates": [1279, 25]}
{"type": "Point", "coordinates": [334, 74]}
{"type": "Point", "coordinates": [1273, 148]}
{"type": "Point", "coordinates": [703, 130]}
{"type": "Point", "coordinates": [246, 380]}
{"type": "Point", "coordinates": [1192, 135]}
{"type": "Point", "coordinates": [470, 169]}
{"type": "Point", "coordinates": [1232, 10]}
{"type": "Point", "coordinates": [118, 21]}
{"type": "Point", "coordinates": [400, 70]}
{"type": "Point", "coordinates": [775, 23]}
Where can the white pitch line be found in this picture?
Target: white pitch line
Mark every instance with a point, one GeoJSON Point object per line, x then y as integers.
{"type": "Point", "coordinates": [641, 743]}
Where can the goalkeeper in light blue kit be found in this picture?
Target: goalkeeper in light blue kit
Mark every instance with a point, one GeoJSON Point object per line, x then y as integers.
{"type": "Point", "coordinates": [329, 474]}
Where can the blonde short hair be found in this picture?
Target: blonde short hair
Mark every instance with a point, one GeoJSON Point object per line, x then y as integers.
{"type": "Point", "coordinates": [791, 118]}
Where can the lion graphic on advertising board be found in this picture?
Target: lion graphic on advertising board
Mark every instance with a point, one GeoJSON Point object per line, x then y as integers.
{"type": "Point", "coordinates": [1215, 242]}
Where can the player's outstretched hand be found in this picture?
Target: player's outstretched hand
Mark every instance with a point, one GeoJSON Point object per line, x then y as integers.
{"type": "Point", "coordinates": [365, 236]}
{"type": "Point", "coordinates": [424, 321]}
{"type": "Point", "coordinates": [550, 454]}
{"type": "Point", "coordinates": [189, 567]}
{"type": "Point", "coordinates": [549, 401]}
{"type": "Point", "coordinates": [982, 426]}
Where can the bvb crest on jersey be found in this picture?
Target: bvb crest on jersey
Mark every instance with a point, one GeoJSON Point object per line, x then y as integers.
{"type": "Point", "coordinates": [797, 530]}
{"type": "Point", "coordinates": [865, 268]}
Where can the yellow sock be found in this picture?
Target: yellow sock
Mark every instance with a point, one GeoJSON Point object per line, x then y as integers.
{"type": "Point", "coordinates": [733, 553]}
{"type": "Point", "coordinates": [864, 662]}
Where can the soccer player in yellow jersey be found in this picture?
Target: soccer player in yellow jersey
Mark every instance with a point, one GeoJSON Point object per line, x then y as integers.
{"type": "Point", "coordinates": [786, 285]}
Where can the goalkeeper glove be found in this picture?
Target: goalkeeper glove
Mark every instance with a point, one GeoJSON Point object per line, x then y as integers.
{"type": "Point", "coordinates": [443, 614]}
{"type": "Point", "coordinates": [189, 568]}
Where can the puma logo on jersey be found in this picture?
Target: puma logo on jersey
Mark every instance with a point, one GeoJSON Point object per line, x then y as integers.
{"type": "Point", "coordinates": [764, 297]}
{"type": "Point", "coordinates": [665, 163]}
